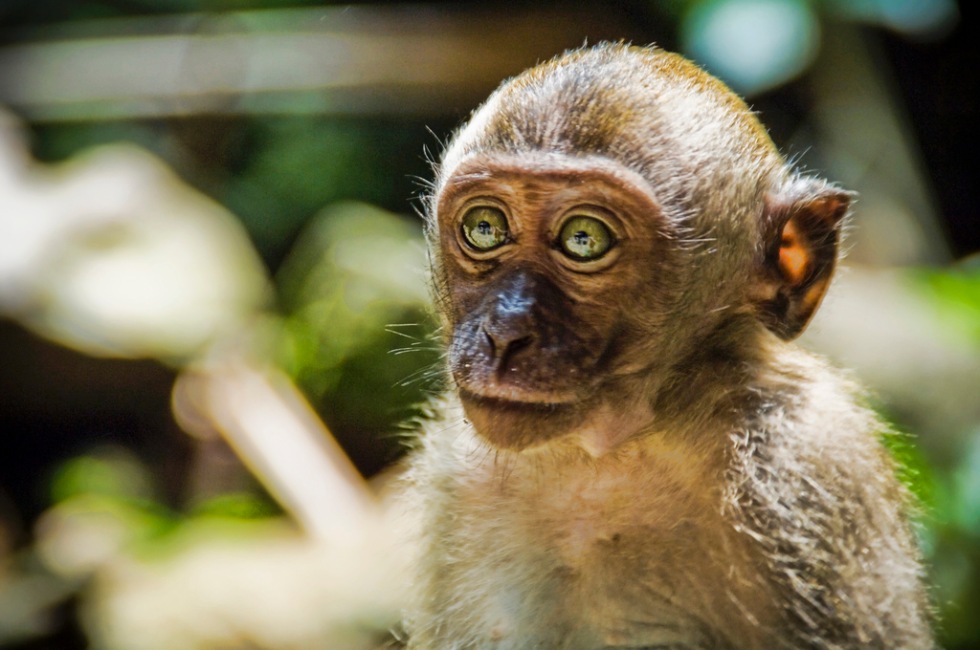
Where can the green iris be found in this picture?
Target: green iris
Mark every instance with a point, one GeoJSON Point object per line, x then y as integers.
{"type": "Point", "coordinates": [485, 227]}
{"type": "Point", "coordinates": [584, 238]}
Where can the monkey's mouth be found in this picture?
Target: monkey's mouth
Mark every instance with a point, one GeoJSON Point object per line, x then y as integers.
{"type": "Point", "coordinates": [519, 422]}
{"type": "Point", "coordinates": [506, 397]}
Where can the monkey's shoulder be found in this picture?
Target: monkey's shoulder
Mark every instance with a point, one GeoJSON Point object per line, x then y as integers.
{"type": "Point", "coordinates": [803, 416]}
{"type": "Point", "coordinates": [811, 449]}
{"type": "Point", "coordinates": [812, 484]}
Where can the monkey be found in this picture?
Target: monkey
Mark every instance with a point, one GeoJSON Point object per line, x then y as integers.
{"type": "Point", "coordinates": [634, 453]}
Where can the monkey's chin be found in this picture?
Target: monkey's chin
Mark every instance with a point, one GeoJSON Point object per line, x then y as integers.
{"type": "Point", "coordinates": [518, 425]}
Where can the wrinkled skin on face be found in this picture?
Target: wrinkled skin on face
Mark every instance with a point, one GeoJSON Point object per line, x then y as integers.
{"type": "Point", "coordinates": [537, 344]}
{"type": "Point", "coordinates": [587, 259]}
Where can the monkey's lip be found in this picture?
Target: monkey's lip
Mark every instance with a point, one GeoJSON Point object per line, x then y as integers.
{"type": "Point", "coordinates": [517, 399]}
{"type": "Point", "coordinates": [522, 423]}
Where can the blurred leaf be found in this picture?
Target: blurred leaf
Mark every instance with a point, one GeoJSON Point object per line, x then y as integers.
{"type": "Point", "coordinates": [297, 165]}
{"type": "Point", "coordinates": [353, 270]}
{"type": "Point", "coordinates": [59, 141]}
{"type": "Point", "coordinates": [966, 489]}
{"type": "Point", "coordinates": [110, 473]}
{"type": "Point", "coordinates": [956, 292]}
{"type": "Point", "coordinates": [237, 505]}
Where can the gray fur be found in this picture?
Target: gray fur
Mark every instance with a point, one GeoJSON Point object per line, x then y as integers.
{"type": "Point", "coordinates": [758, 508]}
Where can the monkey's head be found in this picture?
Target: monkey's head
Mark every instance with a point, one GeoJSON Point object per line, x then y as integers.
{"type": "Point", "coordinates": [604, 223]}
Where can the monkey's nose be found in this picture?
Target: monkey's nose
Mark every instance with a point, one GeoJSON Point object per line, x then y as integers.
{"type": "Point", "coordinates": [505, 342]}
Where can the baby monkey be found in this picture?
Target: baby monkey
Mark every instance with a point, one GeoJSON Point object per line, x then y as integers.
{"type": "Point", "coordinates": [634, 455]}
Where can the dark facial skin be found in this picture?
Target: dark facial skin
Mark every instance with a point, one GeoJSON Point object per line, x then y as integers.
{"type": "Point", "coordinates": [537, 345]}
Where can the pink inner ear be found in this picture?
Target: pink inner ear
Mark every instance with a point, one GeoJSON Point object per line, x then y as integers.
{"type": "Point", "coordinates": [793, 256]}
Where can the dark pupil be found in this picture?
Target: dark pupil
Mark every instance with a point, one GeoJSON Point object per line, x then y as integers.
{"type": "Point", "coordinates": [484, 227]}
{"type": "Point", "coordinates": [581, 238]}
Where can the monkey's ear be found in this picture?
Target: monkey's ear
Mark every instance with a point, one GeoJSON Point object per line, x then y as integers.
{"type": "Point", "coordinates": [801, 231]}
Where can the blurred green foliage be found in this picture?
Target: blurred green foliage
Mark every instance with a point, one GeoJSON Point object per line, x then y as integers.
{"type": "Point", "coordinates": [111, 473]}
{"type": "Point", "coordinates": [273, 172]}
{"type": "Point", "coordinates": [357, 332]}
{"type": "Point", "coordinates": [112, 486]}
{"type": "Point", "coordinates": [235, 505]}
{"type": "Point", "coordinates": [956, 294]}
{"type": "Point", "coordinates": [953, 531]}
{"type": "Point", "coordinates": [295, 166]}
{"type": "Point", "coordinates": [951, 492]}
{"type": "Point", "coordinates": [105, 485]}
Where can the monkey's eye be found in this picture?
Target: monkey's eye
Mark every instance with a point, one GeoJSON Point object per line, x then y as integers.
{"type": "Point", "coordinates": [485, 227]}
{"type": "Point", "coordinates": [584, 238]}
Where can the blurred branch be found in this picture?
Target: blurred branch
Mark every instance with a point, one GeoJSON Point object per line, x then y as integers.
{"type": "Point", "coordinates": [358, 59]}
{"type": "Point", "coordinates": [274, 430]}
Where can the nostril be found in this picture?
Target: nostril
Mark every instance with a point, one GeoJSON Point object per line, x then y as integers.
{"type": "Point", "coordinates": [518, 344]}
{"type": "Point", "coordinates": [506, 357]}
{"type": "Point", "coordinates": [491, 341]}
{"type": "Point", "coordinates": [504, 344]}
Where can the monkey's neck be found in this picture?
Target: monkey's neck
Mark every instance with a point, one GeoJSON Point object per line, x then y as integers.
{"type": "Point", "coordinates": [613, 425]}
{"type": "Point", "coordinates": [709, 379]}
{"type": "Point", "coordinates": [696, 393]}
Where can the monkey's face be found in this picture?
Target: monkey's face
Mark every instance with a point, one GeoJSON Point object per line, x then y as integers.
{"type": "Point", "coordinates": [540, 286]}
{"type": "Point", "coordinates": [596, 242]}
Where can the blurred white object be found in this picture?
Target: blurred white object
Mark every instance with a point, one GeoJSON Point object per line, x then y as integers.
{"type": "Point", "coordinates": [921, 366]}
{"type": "Point", "coordinates": [112, 254]}
{"type": "Point", "coordinates": [273, 429]}
{"type": "Point", "coordinates": [225, 584]}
